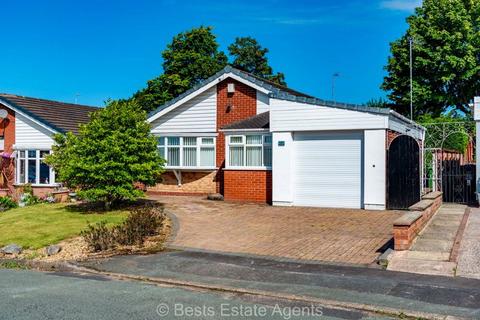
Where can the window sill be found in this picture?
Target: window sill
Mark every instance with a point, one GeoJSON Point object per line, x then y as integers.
{"type": "Point", "coordinates": [249, 168]}
{"type": "Point", "coordinates": [191, 168]}
{"type": "Point", "coordinates": [38, 185]}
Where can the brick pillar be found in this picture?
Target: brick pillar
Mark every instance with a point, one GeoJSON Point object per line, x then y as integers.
{"type": "Point", "coordinates": [231, 107]}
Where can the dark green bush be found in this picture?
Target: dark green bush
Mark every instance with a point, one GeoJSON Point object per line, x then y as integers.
{"type": "Point", "coordinates": [7, 203]}
{"type": "Point", "coordinates": [99, 237]}
{"type": "Point", "coordinates": [141, 223]}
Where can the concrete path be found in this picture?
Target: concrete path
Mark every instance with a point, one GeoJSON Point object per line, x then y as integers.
{"type": "Point", "coordinates": [469, 257]}
{"type": "Point", "coordinates": [432, 251]}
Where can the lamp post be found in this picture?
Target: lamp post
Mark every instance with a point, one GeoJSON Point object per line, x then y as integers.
{"type": "Point", "coordinates": [335, 75]}
{"type": "Point", "coordinates": [410, 42]}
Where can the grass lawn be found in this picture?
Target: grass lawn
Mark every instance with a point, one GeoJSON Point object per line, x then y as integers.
{"type": "Point", "coordinates": [44, 224]}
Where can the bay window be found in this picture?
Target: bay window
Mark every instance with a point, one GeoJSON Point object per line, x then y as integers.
{"type": "Point", "coordinates": [31, 167]}
{"type": "Point", "coordinates": [187, 152]}
{"type": "Point", "coordinates": [249, 151]}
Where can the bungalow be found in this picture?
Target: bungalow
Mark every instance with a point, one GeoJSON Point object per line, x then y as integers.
{"type": "Point", "coordinates": [246, 138]}
{"type": "Point", "coordinates": [27, 127]}
{"type": "Point", "coordinates": [252, 140]}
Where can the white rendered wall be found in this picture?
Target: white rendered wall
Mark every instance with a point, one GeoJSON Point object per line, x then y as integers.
{"type": "Point", "coordinates": [196, 115]}
{"type": "Point", "coordinates": [263, 103]}
{"type": "Point", "coordinates": [30, 135]}
{"type": "Point", "coordinates": [295, 116]}
{"type": "Point", "coordinates": [375, 169]}
{"type": "Point", "coordinates": [282, 168]}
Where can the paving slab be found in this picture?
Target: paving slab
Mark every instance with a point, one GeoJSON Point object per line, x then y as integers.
{"type": "Point", "coordinates": [425, 244]}
{"type": "Point", "coordinates": [427, 255]}
{"type": "Point", "coordinates": [423, 266]}
{"type": "Point", "coordinates": [440, 235]}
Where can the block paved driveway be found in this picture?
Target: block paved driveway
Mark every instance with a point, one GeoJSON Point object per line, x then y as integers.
{"type": "Point", "coordinates": [333, 235]}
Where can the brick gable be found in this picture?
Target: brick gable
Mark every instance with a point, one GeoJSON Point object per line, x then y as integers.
{"type": "Point", "coordinates": [231, 107]}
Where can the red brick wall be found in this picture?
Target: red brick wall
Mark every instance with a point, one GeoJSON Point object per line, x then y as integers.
{"type": "Point", "coordinates": [391, 135]}
{"type": "Point", "coordinates": [7, 129]}
{"type": "Point", "coordinates": [7, 167]}
{"type": "Point", "coordinates": [243, 185]}
{"type": "Point", "coordinates": [404, 235]}
{"type": "Point", "coordinates": [231, 108]}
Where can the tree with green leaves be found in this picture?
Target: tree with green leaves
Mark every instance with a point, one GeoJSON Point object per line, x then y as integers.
{"type": "Point", "coordinates": [377, 103]}
{"type": "Point", "coordinates": [248, 55]}
{"type": "Point", "coordinates": [111, 154]}
{"type": "Point", "coordinates": [446, 58]}
{"type": "Point", "coordinates": [191, 57]}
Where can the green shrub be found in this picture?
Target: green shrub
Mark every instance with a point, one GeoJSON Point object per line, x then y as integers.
{"type": "Point", "coordinates": [7, 203]}
{"type": "Point", "coordinates": [11, 264]}
{"type": "Point", "coordinates": [99, 237]}
{"type": "Point", "coordinates": [141, 223]}
{"type": "Point", "coordinates": [27, 188]}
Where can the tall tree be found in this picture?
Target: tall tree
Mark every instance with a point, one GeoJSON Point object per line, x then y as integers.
{"type": "Point", "coordinates": [446, 58]}
{"type": "Point", "coordinates": [111, 153]}
{"type": "Point", "coordinates": [191, 57]}
{"type": "Point", "coordinates": [250, 56]}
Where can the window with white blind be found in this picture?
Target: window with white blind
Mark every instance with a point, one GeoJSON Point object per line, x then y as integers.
{"type": "Point", "coordinates": [249, 151]}
{"type": "Point", "coordinates": [187, 152]}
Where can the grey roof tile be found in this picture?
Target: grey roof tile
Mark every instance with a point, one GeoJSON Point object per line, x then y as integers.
{"type": "Point", "coordinates": [259, 121]}
{"type": "Point", "coordinates": [59, 116]}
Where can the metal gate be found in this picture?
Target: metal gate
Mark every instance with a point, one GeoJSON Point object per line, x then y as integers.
{"type": "Point", "coordinates": [449, 161]}
{"type": "Point", "coordinates": [403, 184]}
{"type": "Point", "coordinates": [458, 182]}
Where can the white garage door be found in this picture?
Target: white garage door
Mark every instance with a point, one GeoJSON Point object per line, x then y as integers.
{"type": "Point", "coordinates": [328, 169]}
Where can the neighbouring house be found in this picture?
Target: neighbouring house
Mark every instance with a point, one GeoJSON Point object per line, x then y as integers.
{"type": "Point", "coordinates": [27, 127]}
{"type": "Point", "coordinates": [252, 140]}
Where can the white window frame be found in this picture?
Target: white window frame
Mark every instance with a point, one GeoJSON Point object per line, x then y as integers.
{"type": "Point", "coordinates": [244, 144]}
{"type": "Point", "coordinates": [38, 160]}
{"type": "Point", "coordinates": [199, 145]}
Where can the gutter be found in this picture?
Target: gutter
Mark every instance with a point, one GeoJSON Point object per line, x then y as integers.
{"type": "Point", "coordinates": [405, 119]}
{"type": "Point", "coordinates": [246, 130]}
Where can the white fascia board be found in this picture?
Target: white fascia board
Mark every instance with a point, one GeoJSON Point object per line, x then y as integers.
{"type": "Point", "coordinates": [203, 89]}
{"type": "Point", "coordinates": [28, 117]}
{"type": "Point", "coordinates": [185, 134]}
{"type": "Point", "coordinates": [240, 131]}
{"type": "Point", "coordinates": [406, 120]}
{"type": "Point", "coordinates": [41, 146]}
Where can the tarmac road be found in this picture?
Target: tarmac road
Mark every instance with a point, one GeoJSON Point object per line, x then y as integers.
{"type": "Point", "coordinates": [35, 295]}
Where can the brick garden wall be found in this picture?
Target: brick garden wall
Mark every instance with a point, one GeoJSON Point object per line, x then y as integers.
{"type": "Point", "coordinates": [407, 227]}
{"type": "Point", "coordinates": [252, 186]}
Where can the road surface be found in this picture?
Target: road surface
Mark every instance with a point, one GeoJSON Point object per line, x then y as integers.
{"type": "Point", "coordinates": [36, 295]}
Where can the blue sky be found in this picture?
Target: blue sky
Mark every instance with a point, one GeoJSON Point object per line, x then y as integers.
{"type": "Point", "coordinates": [109, 49]}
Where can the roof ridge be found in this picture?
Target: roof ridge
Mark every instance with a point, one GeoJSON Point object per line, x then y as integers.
{"type": "Point", "coordinates": [12, 95]}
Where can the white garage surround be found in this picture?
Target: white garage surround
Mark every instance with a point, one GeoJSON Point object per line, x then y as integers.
{"type": "Point", "coordinates": [328, 169]}
{"type": "Point", "coordinates": [336, 169]}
